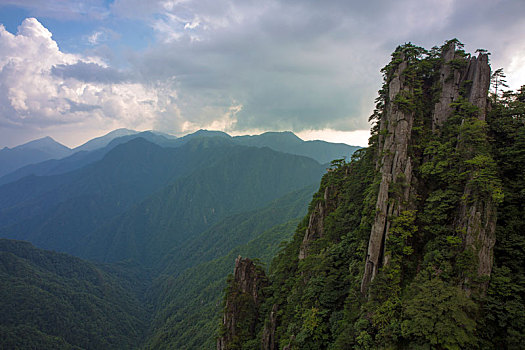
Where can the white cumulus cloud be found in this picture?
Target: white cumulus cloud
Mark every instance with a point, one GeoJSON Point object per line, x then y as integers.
{"type": "Point", "coordinates": [34, 97]}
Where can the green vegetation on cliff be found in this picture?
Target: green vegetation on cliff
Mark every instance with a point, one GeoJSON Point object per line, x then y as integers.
{"type": "Point", "coordinates": [418, 242]}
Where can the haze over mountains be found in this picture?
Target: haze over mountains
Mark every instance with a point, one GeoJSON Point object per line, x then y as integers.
{"type": "Point", "coordinates": [48, 157]}
{"type": "Point", "coordinates": [156, 211]}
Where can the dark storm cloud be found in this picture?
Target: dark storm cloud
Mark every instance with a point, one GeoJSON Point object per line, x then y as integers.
{"type": "Point", "coordinates": [80, 107]}
{"type": "Point", "coordinates": [312, 64]}
{"type": "Point", "coordinates": [89, 72]}
{"type": "Point", "coordinates": [286, 66]}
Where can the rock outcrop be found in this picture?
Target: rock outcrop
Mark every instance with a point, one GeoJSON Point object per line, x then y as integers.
{"type": "Point", "coordinates": [268, 337]}
{"type": "Point", "coordinates": [395, 167]}
{"type": "Point", "coordinates": [474, 78]}
{"type": "Point", "coordinates": [243, 299]}
{"type": "Point", "coordinates": [418, 207]}
{"type": "Point", "coordinates": [460, 76]}
{"type": "Point", "coordinates": [316, 222]}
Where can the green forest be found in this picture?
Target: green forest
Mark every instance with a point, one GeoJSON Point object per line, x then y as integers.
{"type": "Point", "coordinates": [56, 301]}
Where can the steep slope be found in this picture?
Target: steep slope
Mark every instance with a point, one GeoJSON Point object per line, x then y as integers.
{"type": "Point", "coordinates": [503, 310]}
{"type": "Point", "coordinates": [50, 300]}
{"type": "Point", "coordinates": [405, 247]}
{"type": "Point", "coordinates": [187, 293]}
{"type": "Point", "coordinates": [32, 152]}
{"type": "Point", "coordinates": [240, 180]}
{"type": "Point", "coordinates": [57, 211]}
{"type": "Point", "coordinates": [236, 230]}
{"type": "Point", "coordinates": [189, 304]}
{"type": "Point", "coordinates": [242, 306]}
{"type": "Point", "coordinates": [142, 197]}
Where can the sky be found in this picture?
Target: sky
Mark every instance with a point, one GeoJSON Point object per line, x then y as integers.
{"type": "Point", "coordinates": [74, 70]}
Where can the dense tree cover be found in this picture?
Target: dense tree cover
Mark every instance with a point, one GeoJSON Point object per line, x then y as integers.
{"type": "Point", "coordinates": [504, 308]}
{"type": "Point", "coordinates": [237, 230]}
{"type": "Point", "coordinates": [183, 301]}
{"type": "Point", "coordinates": [429, 294]}
{"type": "Point", "coordinates": [241, 179]}
{"type": "Point", "coordinates": [188, 303]}
{"type": "Point", "coordinates": [55, 301]}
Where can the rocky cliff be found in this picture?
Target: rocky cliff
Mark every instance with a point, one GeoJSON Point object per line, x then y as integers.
{"type": "Point", "coordinates": [242, 303]}
{"type": "Point", "coordinates": [400, 245]}
{"type": "Point", "coordinates": [316, 220]}
{"type": "Point", "coordinates": [460, 78]}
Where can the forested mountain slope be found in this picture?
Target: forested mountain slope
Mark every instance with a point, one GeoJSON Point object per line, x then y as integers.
{"type": "Point", "coordinates": [56, 301]}
{"type": "Point", "coordinates": [165, 211]}
{"type": "Point", "coordinates": [143, 196]}
{"type": "Point", "coordinates": [240, 179]}
{"type": "Point", "coordinates": [416, 243]}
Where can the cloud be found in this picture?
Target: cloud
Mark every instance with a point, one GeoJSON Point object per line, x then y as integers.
{"type": "Point", "coordinates": [64, 9]}
{"type": "Point", "coordinates": [89, 73]}
{"type": "Point", "coordinates": [281, 62]}
{"type": "Point", "coordinates": [95, 37]}
{"type": "Point", "coordinates": [305, 65]}
{"type": "Point", "coordinates": [42, 88]}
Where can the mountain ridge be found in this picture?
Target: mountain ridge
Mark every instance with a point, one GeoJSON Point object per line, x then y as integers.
{"type": "Point", "coordinates": [95, 149]}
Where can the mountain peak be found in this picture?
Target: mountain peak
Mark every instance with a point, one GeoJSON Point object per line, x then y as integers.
{"type": "Point", "coordinates": [104, 140]}
{"type": "Point", "coordinates": [208, 133]}
{"type": "Point", "coordinates": [44, 142]}
{"type": "Point", "coordinates": [284, 134]}
{"type": "Point", "coordinates": [31, 152]}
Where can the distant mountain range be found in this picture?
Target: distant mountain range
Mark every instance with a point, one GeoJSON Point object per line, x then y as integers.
{"type": "Point", "coordinates": [48, 157]}
{"type": "Point", "coordinates": [102, 211]}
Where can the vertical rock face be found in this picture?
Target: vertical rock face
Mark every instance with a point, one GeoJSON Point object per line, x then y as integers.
{"type": "Point", "coordinates": [475, 78]}
{"type": "Point", "coordinates": [423, 196]}
{"type": "Point", "coordinates": [268, 337]}
{"type": "Point", "coordinates": [478, 221]}
{"type": "Point", "coordinates": [449, 79]}
{"type": "Point", "coordinates": [248, 278]}
{"type": "Point", "coordinates": [395, 166]}
{"type": "Point", "coordinates": [477, 218]}
{"type": "Point", "coordinates": [478, 72]}
{"type": "Point", "coordinates": [459, 77]}
{"type": "Point", "coordinates": [243, 300]}
{"type": "Point", "coordinates": [316, 222]}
